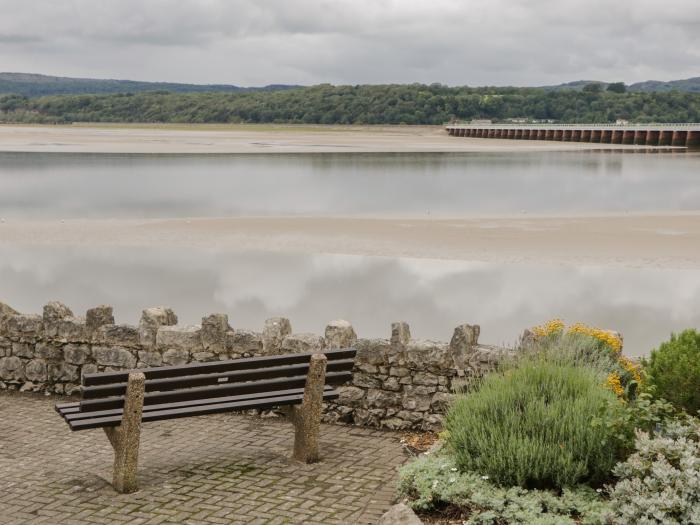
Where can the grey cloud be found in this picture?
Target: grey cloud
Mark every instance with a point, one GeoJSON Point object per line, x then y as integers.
{"type": "Point", "coordinates": [311, 41]}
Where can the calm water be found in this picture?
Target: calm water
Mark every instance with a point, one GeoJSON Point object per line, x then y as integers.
{"type": "Point", "coordinates": [433, 296]}
{"type": "Point", "coordinates": [79, 185]}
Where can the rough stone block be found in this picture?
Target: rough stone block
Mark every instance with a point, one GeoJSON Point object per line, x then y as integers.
{"type": "Point", "coordinates": [117, 335]}
{"type": "Point", "coordinates": [89, 368]}
{"type": "Point", "coordinates": [214, 330]}
{"type": "Point", "coordinates": [76, 354]}
{"type": "Point", "coordinates": [23, 349]}
{"type": "Point", "coordinates": [150, 358]}
{"type": "Point", "coordinates": [395, 423]}
{"type": "Point", "coordinates": [244, 342]}
{"type": "Point", "coordinates": [399, 371]}
{"type": "Point", "coordinates": [63, 372]}
{"type": "Point", "coordinates": [302, 343]}
{"type": "Point", "coordinates": [372, 351]}
{"type": "Point", "coordinates": [400, 333]}
{"type": "Point", "coordinates": [176, 356]}
{"type": "Point", "coordinates": [11, 368]}
{"type": "Point", "coordinates": [49, 351]}
{"type": "Point", "coordinates": [392, 384]}
{"type": "Point", "coordinates": [6, 310]}
{"type": "Point", "coordinates": [399, 515]}
{"type": "Point", "coordinates": [205, 356]}
{"type": "Point", "coordinates": [340, 334]}
{"type": "Point", "coordinates": [36, 370]}
{"type": "Point", "coordinates": [24, 328]}
{"type": "Point", "coordinates": [69, 330]}
{"type": "Point", "coordinates": [441, 401]}
{"type": "Point", "coordinates": [377, 398]}
{"type": "Point", "coordinates": [425, 378]}
{"type": "Point", "coordinates": [99, 316]}
{"type": "Point", "coordinates": [367, 369]}
{"type": "Point", "coordinates": [350, 396]}
{"type": "Point", "coordinates": [114, 356]}
{"type": "Point", "coordinates": [464, 339]}
{"type": "Point", "coordinates": [55, 311]}
{"type": "Point", "coordinates": [366, 380]}
{"type": "Point", "coordinates": [429, 355]}
{"type": "Point", "coordinates": [151, 320]}
{"type": "Point", "coordinates": [274, 332]}
{"type": "Point", "coordinates": [184, 338]}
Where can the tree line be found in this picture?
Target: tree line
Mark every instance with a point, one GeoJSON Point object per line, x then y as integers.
{"type": "Point", "coordinates": [362, 104]}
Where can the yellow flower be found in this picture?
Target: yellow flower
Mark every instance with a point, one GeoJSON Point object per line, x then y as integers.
{"type": "Point", "coordinates": [608, 337]}
{"type": "Point", "coordinates": [613, 383]}
{"type": "Point", "coordinates": [550, 327]}
{"type": "Point", "coordinates": [634, 369]}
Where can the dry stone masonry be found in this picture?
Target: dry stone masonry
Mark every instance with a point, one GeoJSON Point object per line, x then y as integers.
{"type": "Point", "coordinates": [398, 383]}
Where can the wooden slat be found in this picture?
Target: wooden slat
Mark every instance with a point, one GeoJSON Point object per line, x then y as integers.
{"type": "Point", "coordinates": [174, 383]}
{"type": "Point", "coordinates": [270, 402]}
{"type": "Point", "coordinates": [106, 378]}
{"type": "Point", "coordinates": [71, 414]}
{"type": "Point", "coordinates": [206, 392]}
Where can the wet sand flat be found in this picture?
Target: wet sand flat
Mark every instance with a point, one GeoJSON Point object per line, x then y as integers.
{"type": "Point", "coordinates": [222, 139]}
{"type": "Point", "coordinates": [645, 241]}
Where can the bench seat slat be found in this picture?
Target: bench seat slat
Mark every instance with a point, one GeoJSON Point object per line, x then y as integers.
{"type": "Point", "coordinates": [74, 416]}
{"type": "Point", "coordinates": [207, 392]}
{"type": "Point", "coordinates": [173, 413]}
{"type": "Point", "coordinates": [106, 378]}
{"type": "Point", "coordinates": [176, 383]}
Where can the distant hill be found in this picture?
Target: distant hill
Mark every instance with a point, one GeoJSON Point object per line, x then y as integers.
{"type": "Point", "coordinates": [689, 85]}
{"type": "Point", "coordinates": [34, 85]}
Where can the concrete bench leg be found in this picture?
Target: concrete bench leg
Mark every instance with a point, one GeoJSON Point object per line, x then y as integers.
{"type": "Point", "coordinates": [125, 439]}
{"type": "Point", "coordinates": [307, 416]}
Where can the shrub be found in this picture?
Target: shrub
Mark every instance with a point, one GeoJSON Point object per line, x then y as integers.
{"type": "Point", "coordinates": [593, 347]}
{"type": "Point", "coordinates": [674, 371]}
{"type": "Point", "coordinates": [539, 424]}
{"type": "Point", "coordinates": [430, 483]}
{"type": "Point", "coordinates": [660, 482]}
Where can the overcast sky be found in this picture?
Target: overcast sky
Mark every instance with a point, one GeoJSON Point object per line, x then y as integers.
{"type": "Point", "coordinates": [256, 42]}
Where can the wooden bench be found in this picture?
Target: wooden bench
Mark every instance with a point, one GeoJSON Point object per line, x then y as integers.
{"type": "Point", "coordinates": [119, 402]}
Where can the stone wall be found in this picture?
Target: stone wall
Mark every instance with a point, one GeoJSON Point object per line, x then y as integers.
{"type": "Point", "coordinates": [398, 383]}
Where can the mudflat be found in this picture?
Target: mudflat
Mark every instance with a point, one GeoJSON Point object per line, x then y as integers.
{"type": "Point", "coordinates": [645, 240]}
{"type": "Point", "coordinates": [251, 138]}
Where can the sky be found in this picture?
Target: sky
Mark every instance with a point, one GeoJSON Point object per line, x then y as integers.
{"type": "Point", "coordinates": [259, 42]}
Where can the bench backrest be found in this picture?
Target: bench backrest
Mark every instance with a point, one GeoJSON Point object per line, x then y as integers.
{"type": "Point", "coordinates": [202, 381]}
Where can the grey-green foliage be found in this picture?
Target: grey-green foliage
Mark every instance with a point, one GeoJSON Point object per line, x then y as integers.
{"type": "Point", "coordinates": [430, 482]}
{"type": "Point", "coordinates": [541, 423]}
{"type": "Point", "coordinates": [660, 482]}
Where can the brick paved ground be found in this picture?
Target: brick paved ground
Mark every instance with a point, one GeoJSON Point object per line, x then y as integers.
{"type": "Point", "coordinates": [225, 468]}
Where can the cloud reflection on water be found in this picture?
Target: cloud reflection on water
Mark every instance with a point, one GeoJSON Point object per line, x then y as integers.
{"type": "Point", "coordinates": [432, 295]}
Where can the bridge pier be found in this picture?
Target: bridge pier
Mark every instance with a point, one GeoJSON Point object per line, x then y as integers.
{"type": "Point", "coordinates": [596, 135]}
{"type": "Point", "coordinates": [558, 134]}
{"type": "Point", "coordinates": [566, 136]}
{"type": "Point", "coordinates": [652, 138]}
{"type": "Point", "coordinates": [679, 138]}
{"type": "Point", "coordinates": [541, 134]}
{"type": "Point", "coordinates": [585, 135]}
{"type": "Point", "coordinates": [693, 140]}
{"type": "Point", "coordinates": [606, 136]}
{"type": "Point", "coordinates": [665, 138]}
{"type": "Point", "coordinates": [628, 137]}
{"type": "Point", "coordinates": [549, 134]}
{"type": "Point", "coordinates": [640, 137]}
{"type": "Point", "coordinates": [616, 137]}
{"type": "Point", "coordinates": [576, 135]}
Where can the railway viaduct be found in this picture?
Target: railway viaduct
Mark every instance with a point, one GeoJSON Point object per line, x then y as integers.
{"type": "Point", "coordinates": [678, 135]}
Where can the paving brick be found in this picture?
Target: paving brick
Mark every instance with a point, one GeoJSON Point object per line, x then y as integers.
{"type": "Point", "coordinates": [225, 468]}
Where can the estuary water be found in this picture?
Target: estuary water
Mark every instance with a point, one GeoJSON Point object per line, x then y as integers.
{"type": "Point", "coordinates": [50, 185]}
{"type": "Point", "coordinates": [432, 295]}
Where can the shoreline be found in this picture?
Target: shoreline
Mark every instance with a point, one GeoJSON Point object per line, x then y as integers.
{"type": "Point", "coordinates": [659, 241]}
{"type": "Point", "coordinates": [264, 138]}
